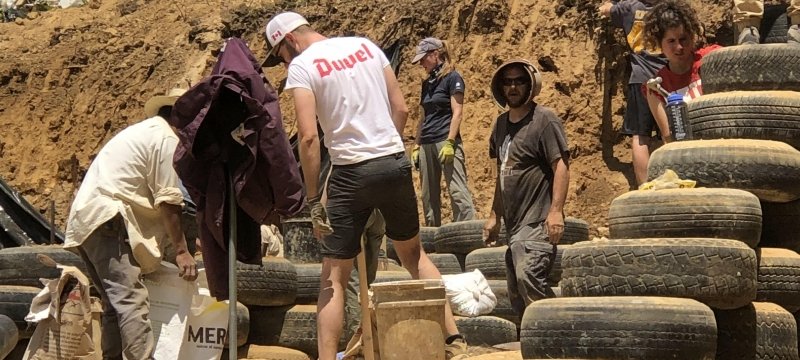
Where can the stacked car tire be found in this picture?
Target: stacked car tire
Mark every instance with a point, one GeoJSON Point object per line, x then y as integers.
{"type": "Point", "coordinates": [20, 272]}
{"type": "Point", "coordinates": [281, 296]}
{"type": "Point", "coordinates": [697, 273]}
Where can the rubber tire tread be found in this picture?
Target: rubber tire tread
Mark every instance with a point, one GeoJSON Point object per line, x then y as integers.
{"type": "Point", "coordinates": [19, 266]}
{"type": "Point", "coordinates": [299, 330]}
{"type": "Point", "coordinates": [427, 236]}
{"type": "Point", "coordinates": [757, 331]}
{"type": "Point", "coordinates": [575, 230]}
{"type": "Point", "coordinates": [719, 273]}
{"type": "Point", "coordinates": [308, 276]}
{"type": "Point", "coordinates": [490, 261]}
{"type": "Point", "coordinates": [460, 237]}
{"type": "Point", "coordinates": [242, 325]}
{"type": "Point", "coordinates": [779, 278]}
{"type": "Point", "coordinates": [763, 67]}
{"type": "Point", "coordinates": [486, 330]}
{"type": "Point", "coordinates": [780, 225]}
{"type": "Point", "coordinates": [503, 308]}
{"type": "Point", "coordinates": [446, 263]}
{"type": "Point", "coordinates": [557, 270]}
{"type": "Point", "coordinates": [266, 323]}
{"type": "Point", "coordinates": [673, 213]}
{"type": "Point", "coordinates": [768, 169]}
{"type": "Point", "coordinates": [618, 328]}
{"type": "Point", "coordinates": [759, 115]}
{"type": "Point", "coordinates": [19, 351]}
{"type": "Point", "coordinates": [774, 24]}
{"type": "Point", "coordinates": [9, 336]}
{"type": "Point", "coordinates": [15, 302]}
{"type": "Point", "coordinates": [274, 284]}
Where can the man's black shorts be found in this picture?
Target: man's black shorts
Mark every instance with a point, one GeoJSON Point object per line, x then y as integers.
{"type": "Point", "coordinates": [638, 118]}
{"type": "Point", "coordinates": [355, 190]}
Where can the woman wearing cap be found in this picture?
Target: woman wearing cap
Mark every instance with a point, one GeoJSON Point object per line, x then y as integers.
{"type": "Point", "coordinates": [439, 148]}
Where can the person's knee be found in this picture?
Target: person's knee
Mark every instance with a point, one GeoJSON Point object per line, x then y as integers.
{"type": "Point", "coordinates": [408, 251]}
{"type": "Point", "coordinates": [335, 272]}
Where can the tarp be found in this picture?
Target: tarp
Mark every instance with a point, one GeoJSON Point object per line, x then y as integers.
{"type": "Point", "coordinates": [20, 223]}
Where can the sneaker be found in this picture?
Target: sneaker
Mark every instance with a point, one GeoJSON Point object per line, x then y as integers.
{"type": "Point", "coordinates": [793, 35]}
{"type": "Point", "coordinates": [456, 349]}
{"type": "Point", "coordinates": [749, 36]}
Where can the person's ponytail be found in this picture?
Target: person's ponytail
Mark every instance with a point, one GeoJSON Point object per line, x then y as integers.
{"type": "Point", "coordinates": [448, 63]}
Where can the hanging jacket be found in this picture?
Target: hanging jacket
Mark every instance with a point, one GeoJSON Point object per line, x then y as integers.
{"type": "Point", "coordinates": [230, 123]}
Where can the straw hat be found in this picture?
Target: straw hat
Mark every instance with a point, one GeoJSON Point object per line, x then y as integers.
{"type": "Point", "coordinates": [155, 103]}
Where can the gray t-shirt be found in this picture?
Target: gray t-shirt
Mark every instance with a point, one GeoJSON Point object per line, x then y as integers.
{"type": "Point", "coordinates": [525, 152]}
{"type": "Point", "coordinates": [629, 15]}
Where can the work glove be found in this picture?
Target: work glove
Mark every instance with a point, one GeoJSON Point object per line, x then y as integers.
{"type": "Point", "coordinates": [319, 217]}
{"type": "Point", "coordinates": [415, 157]}
{"type": "Point", "coordinates": [448, 152]}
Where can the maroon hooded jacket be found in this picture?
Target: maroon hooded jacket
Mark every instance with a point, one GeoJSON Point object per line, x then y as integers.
{"type": "Point", "coordinates": [230, 123]}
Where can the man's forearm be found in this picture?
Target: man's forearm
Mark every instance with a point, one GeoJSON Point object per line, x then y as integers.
{"type": "Point", "coordinates": [497, 202]}
{"type": "Point", "coordinates": [560, 186]}
{"type": "Point", "coordinates": [399, 117]}
{"type": "Point", "coordinates": [171, 218]}
{"type": "Point", "coordinates": [309, 159]}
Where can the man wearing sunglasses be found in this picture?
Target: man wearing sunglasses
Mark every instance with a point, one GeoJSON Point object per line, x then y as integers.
{"type": "Point", "coordinates": [349, 86]}
{"type": "Point", "coordinates": [530, 146]}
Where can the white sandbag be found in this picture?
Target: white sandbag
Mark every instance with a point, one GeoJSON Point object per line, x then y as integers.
{"type": "Point", "coordinates": [469, 294]}
{"type": "Point", "coordinates": [187, 322]}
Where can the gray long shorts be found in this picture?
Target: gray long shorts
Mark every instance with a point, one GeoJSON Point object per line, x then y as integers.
{"type": "Point", "coordinates": [529, 260]}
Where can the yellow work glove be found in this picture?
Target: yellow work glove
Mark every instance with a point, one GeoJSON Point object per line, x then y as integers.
{"type": "Point", "coordinates": [415, 157]}
{"type": "Point", "coordinates": [448, 152]}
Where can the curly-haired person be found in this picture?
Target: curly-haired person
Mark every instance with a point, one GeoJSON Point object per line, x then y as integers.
{"type": "Point", "coordinates": [672, 25]}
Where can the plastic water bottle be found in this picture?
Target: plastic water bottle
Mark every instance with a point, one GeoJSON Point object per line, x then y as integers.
{"type": "Point", "coordinates": [677, 116]}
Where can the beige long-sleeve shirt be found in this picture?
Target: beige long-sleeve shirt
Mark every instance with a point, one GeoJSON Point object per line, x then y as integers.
{"type": "Point", "coordinates": [131, 176]}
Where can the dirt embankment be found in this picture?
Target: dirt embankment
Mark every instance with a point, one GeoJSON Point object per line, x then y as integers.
{"type": "Point", "coordinates": [71, 79]}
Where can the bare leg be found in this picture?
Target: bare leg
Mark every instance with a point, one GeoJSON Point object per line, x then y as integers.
{"type": "Point", "coordinates": [330, 305]}
{"type": "Point", "coordinates": [414, 259]}
{"type": "Point", "coordinates": [640, 149]}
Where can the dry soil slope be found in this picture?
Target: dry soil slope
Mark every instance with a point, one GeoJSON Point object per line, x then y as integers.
{"type": "Point", "coordinates": [70, 79]}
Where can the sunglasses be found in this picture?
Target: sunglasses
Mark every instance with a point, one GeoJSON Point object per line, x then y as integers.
{"type": "Point", "coordinates": [277, 52]}
{"type": "Point", "coordinates": [516, 81]}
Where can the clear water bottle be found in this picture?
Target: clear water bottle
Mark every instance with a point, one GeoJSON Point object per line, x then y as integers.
{"type": "Point", "coordinates": [677, 116]}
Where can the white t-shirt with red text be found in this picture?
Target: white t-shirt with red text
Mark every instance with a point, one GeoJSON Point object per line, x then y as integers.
{"type": "Point", "coordinates": [346, 76]}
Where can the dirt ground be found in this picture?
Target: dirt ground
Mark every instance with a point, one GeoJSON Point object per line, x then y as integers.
{"type": "Point", "coordinates": [71, 79]}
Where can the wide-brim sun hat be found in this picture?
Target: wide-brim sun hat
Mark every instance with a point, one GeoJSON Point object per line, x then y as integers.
{"type": "Point", "coordinates": [497, 84]}
{"type": "Point", "coordinates": [155, 103]}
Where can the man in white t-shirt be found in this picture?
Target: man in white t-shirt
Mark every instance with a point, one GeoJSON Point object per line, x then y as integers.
{"type": "Point", "coordinates": [348, 84]}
